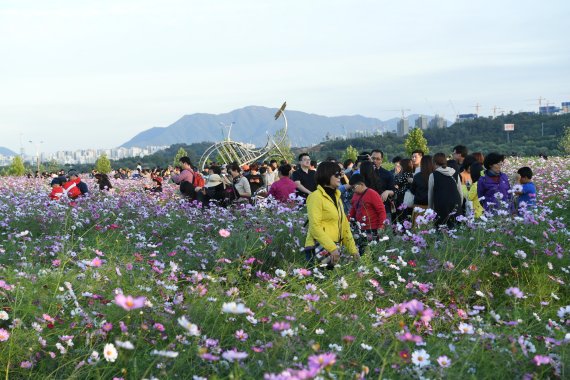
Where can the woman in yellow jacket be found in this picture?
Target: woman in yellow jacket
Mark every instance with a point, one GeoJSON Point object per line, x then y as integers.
{"type": "Point", "coordinates": [474, 169]}
{"type": "Point", "coordinates": [328, 224]}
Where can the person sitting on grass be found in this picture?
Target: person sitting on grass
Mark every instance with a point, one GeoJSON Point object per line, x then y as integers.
{"type": "Point", "coordinates": [56, 189]}
{"type": "Point", "coordinates": [157, 188]}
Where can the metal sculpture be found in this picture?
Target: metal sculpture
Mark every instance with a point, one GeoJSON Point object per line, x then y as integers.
{"type": "Point", "coordinates": [232, 151]}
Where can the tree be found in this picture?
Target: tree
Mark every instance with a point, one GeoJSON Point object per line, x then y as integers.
{"type": "Point", "coordinates": [282, 149]}
{"type": "Point", "coordinates": [565, 141]}
{"type": "Point", "coordinates": [181, 153]}
{"type": "Point", "coordinates": [350, 154]}
{"type": "Point", "coordinates": [53, 166]}
{"type": "Point", "coordinates": [415, 141]}
{"type": "Point", "coordinates": [103, 165]}
{"type": "Point", "coordinates": [17, 167]}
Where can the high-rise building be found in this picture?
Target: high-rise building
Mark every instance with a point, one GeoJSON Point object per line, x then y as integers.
{"type": "Point", "coordinates": [438, 122]}
{"type": "Point", "coordinates": [548, 110]}
{"type": "Point", "coordinates": [422, 122]}
{"type": "Point", "coordinates": [403, 127]}
{"type": "Point", "coordinates": [565, 107]}
{"type": "Point", "coordinates": [466, 116]}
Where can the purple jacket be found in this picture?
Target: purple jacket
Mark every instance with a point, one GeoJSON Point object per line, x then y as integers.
{"type": "Point", "coordinates": [488, 186]}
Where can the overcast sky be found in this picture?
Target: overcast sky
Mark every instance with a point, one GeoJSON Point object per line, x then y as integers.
{"type": "Point", "coordinates": [92, 74]}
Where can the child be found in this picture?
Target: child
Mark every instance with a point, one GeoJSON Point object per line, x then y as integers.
{"type": "Point", "coordinates": [56, 189]}
{"type": "Point", "coordinates": [367, 211]}
{"type": "Point", "coordinates": [527, 194]}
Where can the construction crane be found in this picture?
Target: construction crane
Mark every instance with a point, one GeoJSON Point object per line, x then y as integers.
{"type": "Point", "coordinates": [454, 110]}
{"type": "Point", "coordinates": [495, 109]}
{"type": "Point", "coordinates": [477, 107]}
{"type": "Point", "coordinates": [402, 110]}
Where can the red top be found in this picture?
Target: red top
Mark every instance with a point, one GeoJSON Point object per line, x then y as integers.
{"type": "Point", "coordinates": [368, 209]}
{"type": "Point", "coordinates": [70, 187]}
{"type": "Point", "coordinates": [56, 192]}
{"type": "Point", "coordinates": [281, 189]}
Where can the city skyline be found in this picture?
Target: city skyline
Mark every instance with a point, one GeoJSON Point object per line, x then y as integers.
{"type": "Point", "coordinates": [94, 74]}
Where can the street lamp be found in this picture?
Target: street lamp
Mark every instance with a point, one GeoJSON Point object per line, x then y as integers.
{"type": "Point", "coordinates": [37, 145]}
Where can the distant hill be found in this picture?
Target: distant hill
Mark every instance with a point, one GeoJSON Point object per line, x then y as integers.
{"type": "Point", "coordinates": [533, 134]}
{"type": "Point", "coordinates": [253, 123]}
{"type": "Point", "coordinates": [6, 152]}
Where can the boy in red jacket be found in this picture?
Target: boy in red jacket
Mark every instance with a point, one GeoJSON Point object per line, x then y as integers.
{"type": "Point", "coordinates": [56, 189]}
{"type": "Point", "coordinates": [367, 210]}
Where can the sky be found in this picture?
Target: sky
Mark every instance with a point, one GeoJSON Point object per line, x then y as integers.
{"type": "Point", "coordinates": [92, 74]}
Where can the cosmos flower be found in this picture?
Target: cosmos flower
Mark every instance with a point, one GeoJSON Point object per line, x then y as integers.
{"type": "Point", "coordinates": [129, 302]}
{"type": "Point", "coordinates": [420, 358]}
{"type": "Point", "coordinates": [110, 352]}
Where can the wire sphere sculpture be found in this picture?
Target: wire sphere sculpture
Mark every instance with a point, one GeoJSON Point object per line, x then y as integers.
{"type": "Point", "coordinates": [229, 151]}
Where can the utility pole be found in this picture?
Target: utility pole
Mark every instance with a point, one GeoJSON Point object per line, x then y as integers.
{"type": "Point", "coordinates": [542, 129]}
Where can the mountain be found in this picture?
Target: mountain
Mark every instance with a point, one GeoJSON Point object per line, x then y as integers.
{"type": "Point", "coordinates": [254, 123]}
{"type": "Point", "coordinates": [6, 152]}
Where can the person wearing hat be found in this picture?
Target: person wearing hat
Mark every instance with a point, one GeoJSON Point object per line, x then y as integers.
{"type": "Point", "coordinates": [56, 189]}
{"type": "Point", "coordinates": [214, 188]}
{"type": "Point", "coordinates": [367, 211]}
{"type": "Point", "coordinates": [74, 187]}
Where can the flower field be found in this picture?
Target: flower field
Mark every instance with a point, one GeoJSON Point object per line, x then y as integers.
{"type": "Point", "coordinates": [132, 285]}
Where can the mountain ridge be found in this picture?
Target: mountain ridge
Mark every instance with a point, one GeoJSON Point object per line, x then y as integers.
{"type": "Point", "coordinates": [7, 152]}
{"type": "Point", "coordinates": [253, 123]}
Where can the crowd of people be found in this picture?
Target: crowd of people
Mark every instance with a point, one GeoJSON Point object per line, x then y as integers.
{"type": "Point", "coordinates": [348, 203]}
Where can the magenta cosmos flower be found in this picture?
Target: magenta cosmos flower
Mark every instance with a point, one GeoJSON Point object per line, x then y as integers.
{"type": "Point", "coordinates": [129, 302]}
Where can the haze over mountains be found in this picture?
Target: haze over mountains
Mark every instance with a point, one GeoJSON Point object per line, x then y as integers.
{"type": "Point", "coordinates": [254, 123]}
{"type": "Point", "coordinates": [6, 152]}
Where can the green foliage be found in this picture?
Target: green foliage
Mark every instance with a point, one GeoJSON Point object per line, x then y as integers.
{"type": "Point", "coordinates": [415, 141]}
{"type": "Point", "coordinates": [17, 167]}
{"type": "Point", "coordinates": [349, 154]}
{"type": "Point", "coordinates": [482, 134]}
{"type": "Point", "coordinates": [103, 165]}
{"type": "Point", "coordinates": [181, 153]}
{"type": "Point", "coordinates": [53, 166]}
{"type": "Point", "coordinates": [283, 148]}
{"type": "Point", "coordinates": [565, 141]}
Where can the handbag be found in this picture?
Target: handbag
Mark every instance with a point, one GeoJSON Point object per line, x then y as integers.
{"type": "Point", "coordinates": [408, 199]}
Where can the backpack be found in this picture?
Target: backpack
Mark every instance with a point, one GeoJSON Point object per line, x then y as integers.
{"type": "Point", "coordinates": [198, 179]}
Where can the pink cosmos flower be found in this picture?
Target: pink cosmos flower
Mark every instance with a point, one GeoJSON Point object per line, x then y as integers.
{"type": "Point", "coordinates": [515, 292]}
{"type": "Point", "coordinates": [4, 335]}
{"type": "Point", "coordinates": [128, 302]}
{"type": "Point", "coordinates": [96, 262]}
{"type": "Point", "coordinates": [26, 364]}
{"type": "Point", "coordinates": [233, 355]}
{"type": "Point", "coordinates": [322, 361]}
{"type": "Point", "coordinates": [159, 326]}
{"type": "Point", "coordinates": [47, 318]}
{"type": "Point", "coordinates": [443, 361]}
{"type": "Point", "coordinates": [224, 233]}
{"type": "Point", "coordinates": [241, 335]}
{"type": "Point", "coordinates": [280, 326]}
{"type": "Point", "coordinates": [541, 359]}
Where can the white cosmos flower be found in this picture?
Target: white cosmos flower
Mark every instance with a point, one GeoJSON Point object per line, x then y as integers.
{"type": "Point", "coordinates": [166, 354]}
{"type": "Point", "coordinates": [190, 328]}
{"type": "Point", "coordinates": [465, 328]}
{"type": "Point", "coordinates": [127, 345]}
{"type": "Point", "coordinates": [234, 308]}
{"type": "Point", "coordinates": [110, 352]}
{"type": "Point", "coordinates": [420, 358]}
